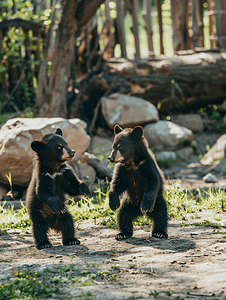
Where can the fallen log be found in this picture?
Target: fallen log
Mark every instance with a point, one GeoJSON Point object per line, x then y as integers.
{"type": "Point", "coordinates": [180, 84]}
{"type": "Point", "coordinates": [97, 164]}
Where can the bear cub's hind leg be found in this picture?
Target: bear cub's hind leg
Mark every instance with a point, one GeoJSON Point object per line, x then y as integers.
{"type": "Point", "coordinates": [68, 231]}
{"type": "Point", "coordinates": [40, 229]}
{"type": "Point", "coordinates": [126, 214]}
{"type": "Point", "coordinates": [159, 217]}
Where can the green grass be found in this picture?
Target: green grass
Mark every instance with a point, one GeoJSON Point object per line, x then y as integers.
{"type": "Point", "coordinates": [179, 204]}
{"type": "Point", "coordinates": [14, 219]}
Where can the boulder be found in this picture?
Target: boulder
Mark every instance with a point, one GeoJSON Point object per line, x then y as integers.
{"type": "Point", "coordinates": [16, 135]}
{"type": "Point", "coordinates": [185, 153]}
{"type": "Point", "coordinates": [86, 173]}
{"type": "Point", "coordinates": [224, 119]}
{"type": "Point", "coordinates": [101, 146]}
{"type": "Point", "coordinates": [127, 111]}
{"type": "Point", "coordinates": [221, 167]}
{"type": "Point", "coordinates": [166, 134]}
{"type": "Point", "coordinates": [223, 105]}
{"type": "Point", "coordinates": [190, 121]}
{"type": "Point", "coordinates": [216, 152]}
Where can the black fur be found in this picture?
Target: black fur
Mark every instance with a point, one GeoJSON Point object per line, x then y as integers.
{"type": "Point", "coordinates": [51, 179]}
{"type": "Point", "coordinates": [138, 177]}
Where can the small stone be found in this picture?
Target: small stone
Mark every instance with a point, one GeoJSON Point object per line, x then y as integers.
{"type": "Point", "coordinates": [71, 254]}
{"type": "Point", "coordinates": [210, 178]}
{"type": "Point", "coordinates": [14, 231]}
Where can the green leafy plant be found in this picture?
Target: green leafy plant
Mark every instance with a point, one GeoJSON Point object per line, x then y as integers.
{"type": "Point", "coordinates": [175, 86]}
{"type": "Point", "coordinates": [26, 284]}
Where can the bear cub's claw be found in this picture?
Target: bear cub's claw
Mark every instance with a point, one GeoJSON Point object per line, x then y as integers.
{"type": "Point", "coordinates": [147, 206]}
{"type": "Point", "coordinates": [44, 245]}
{"type": "Point", "coordinates": [84, 189]}
{"type": "Point", "coordinates": [73, 241]}
{"type": "Point", "coordinates": [160, 235]}
{"type": "Point", "coordinates": [122, 236]}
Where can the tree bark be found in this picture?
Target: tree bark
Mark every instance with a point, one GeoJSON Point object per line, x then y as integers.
{"type": "Point", "coordinates": [52, 94]}
{"type": "Point", "coordinates": [220, 14]}
{"type": "Point", "coordinates": [197, 23]}
{"type": "Point", "coordinates": [147, 18]}
{"type": "Point", "coordinates": [179, 88]}
{"type": "Point", "coordinates": [135, 7]}
{"type": "Point", "coordinates": [179, 23]}
{"type": "Point", "coordinates": [121, 28]}
{"type": "Point", "coordinates": [159, 11]}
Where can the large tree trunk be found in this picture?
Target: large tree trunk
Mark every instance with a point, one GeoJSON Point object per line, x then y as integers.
{"type": "Point", "coordinates": [197, 23]}
{"type": "Point", "coordinates": [179, 16]}
{"type": "Point", "coordinates": [51, 97]}
{"type": "Point", "coordinates": [220, 14]}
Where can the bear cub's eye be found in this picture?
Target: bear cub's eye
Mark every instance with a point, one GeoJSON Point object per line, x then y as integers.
{"type": "Point", "coordinates": [59, 147]}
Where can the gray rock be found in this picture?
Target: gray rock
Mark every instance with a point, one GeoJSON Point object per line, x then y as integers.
{"type": "Point", "coordinates": [185, 153]}
{"type": "Point", "coordinates": [216, 152]}
{"type": "Point", "coordinates": [210, 178]}
{"type": "Point", "coordinates": [166, 134]}
{"type": "Point", "coordinates": [223, 105]}
{"type": "Point", "coordinates": [16, 135]}
{"type": "Point", "coordinates": [127, 111]}
{"type": "Point", "coordinates": [88, 172]}
{"type": "Point", "coordinates": [164, 155]}
{"type": "Point", "coordinates": [101, 146]}
{"type": "Point", "coordinates": [221, 167]}
{"type": "Point", "coordinates": [190, 121]}
{"type": "Point", "coordinates": [224, 119]}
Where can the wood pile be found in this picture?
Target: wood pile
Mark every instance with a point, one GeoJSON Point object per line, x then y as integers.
{"type": "Point", "coordinates": [184, 83]}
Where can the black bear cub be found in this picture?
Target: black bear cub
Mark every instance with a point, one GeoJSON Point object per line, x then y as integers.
{"type": "Point", "coordinates": [51, 179]}
{"type": "Point", "coordinates": [138, 177]}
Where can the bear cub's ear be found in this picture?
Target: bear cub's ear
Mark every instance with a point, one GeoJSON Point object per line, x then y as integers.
{"type": "Point", "coordinates": [137, 132]}
{"type": "Point", "coordinates": [59, 132]}
{"type": "Point", "coordinates": [117, 129]}
{"type": "Point", "coordinates": [36, 146]}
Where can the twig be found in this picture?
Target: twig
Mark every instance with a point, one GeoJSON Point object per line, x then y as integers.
{"type": "Point", "coordinates": [201, 295]}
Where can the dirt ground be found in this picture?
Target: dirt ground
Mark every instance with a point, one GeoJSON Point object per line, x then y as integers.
{"type": "Point", "coordinates": [190, 264]}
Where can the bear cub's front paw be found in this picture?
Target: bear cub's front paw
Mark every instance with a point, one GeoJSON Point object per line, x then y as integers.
{"type": "Point", "coordinates": [114, 202]}
{"type": "Point", "coordinates": [147, 206]}
{"type": "Point", "coordinates": [59, 208]}
{"type": "Point", "coordinates": [84, 189]}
